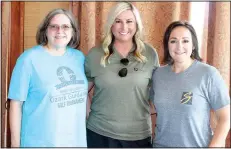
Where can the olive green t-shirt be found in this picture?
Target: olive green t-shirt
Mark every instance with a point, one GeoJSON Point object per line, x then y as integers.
{"type": "Point", "coordinates": [120, 105]}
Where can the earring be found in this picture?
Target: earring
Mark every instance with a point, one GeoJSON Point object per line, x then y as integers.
{"type": "Point", "coordinates": [193, 53]}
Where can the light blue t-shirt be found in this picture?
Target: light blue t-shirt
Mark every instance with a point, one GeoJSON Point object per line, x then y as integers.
{"type": "Point", "coordinates": [54, 91]}
{"type": "Point", "coordinates": [183, 102]}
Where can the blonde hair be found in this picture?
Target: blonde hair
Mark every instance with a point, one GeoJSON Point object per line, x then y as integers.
{"type": "Point", "coordinates": [108, 36]}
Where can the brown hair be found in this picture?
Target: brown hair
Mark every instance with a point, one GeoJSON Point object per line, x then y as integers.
{"type": "Point", "coordinates": [41, 37]}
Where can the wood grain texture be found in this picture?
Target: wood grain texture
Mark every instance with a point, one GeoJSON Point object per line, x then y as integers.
{"type": "Point", "coordinates": [16, 40]}
{"type": "Point", "coordinates": [5, 45]}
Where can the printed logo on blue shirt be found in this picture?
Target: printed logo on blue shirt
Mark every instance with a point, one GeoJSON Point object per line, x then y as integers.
{"type": "Point", "coordinates": [67, 81]}
{"type": "Point", "coordinates": [187, 98]}
{"type": "Point", "coordinates": [66, 95]}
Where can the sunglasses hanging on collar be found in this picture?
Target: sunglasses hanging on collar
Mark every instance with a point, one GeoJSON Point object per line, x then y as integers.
{"type": "Point", "coordinates": [124, 71]}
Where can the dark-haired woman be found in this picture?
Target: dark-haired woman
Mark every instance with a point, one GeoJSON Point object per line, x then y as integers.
{"type": "Point", "coordinates": [184, 91]}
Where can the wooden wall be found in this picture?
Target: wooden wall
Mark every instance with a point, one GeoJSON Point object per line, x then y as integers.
{"type": "Point", "coordinates": [5, 8]}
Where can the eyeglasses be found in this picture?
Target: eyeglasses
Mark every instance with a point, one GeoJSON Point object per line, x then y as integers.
{"type": "Point", "coordinates": [55, 27]}
{"type": "Point", "coordinates": [123, 72]}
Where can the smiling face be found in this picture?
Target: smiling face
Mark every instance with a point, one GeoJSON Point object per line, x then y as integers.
{"type": "Point", "coordinates": [124, 26]}
{"type": "Point", "coordinates": [59, 31]}
{"type": "Point", "coordinates": [180, 45]}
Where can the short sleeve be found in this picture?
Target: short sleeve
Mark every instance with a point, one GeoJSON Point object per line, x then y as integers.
{"type": "Point", "coordinates": [87, 67]}
{"type": "Point", "coordinates": [154, 55]}
{"type": "Point", "coordinates": [82, 58]}
{"type": "Point", "coordinates": [20, 79]}
{"type": "Point", "coordinates": [156, 59]}
{"type": "Point", "coordinates": [151, 90]}
{"type": "Point", "coordinates": [155, 64]}
{"type": "Point", "coordinates": [217, 91]}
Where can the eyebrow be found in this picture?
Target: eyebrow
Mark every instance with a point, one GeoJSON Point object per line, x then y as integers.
{"type": "Point", "coordinates": [176, 38]}
{"type": "Point", "coordinates": [126, 19]}
{"type": "Point", "coordinates": [59, 24]}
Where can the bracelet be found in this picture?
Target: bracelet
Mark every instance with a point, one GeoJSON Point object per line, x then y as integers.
{"type": "Point", "coordinates": [153, 114]}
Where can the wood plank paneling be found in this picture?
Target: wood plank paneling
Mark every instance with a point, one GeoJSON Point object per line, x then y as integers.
{"type": "Point", "coordinates": [16, 40]}
{"type": "Point", "coordinates": [12, 47]}
{"type": "Point", "coordinates": [5, 45]}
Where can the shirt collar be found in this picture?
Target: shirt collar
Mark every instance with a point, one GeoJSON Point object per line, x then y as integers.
{"type": "Point", "coordinates": [116, 53]}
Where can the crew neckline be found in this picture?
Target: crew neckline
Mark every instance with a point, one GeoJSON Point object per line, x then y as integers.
{"type": "Point", "coordinates": [183, 72]}
{"type": "Point", "coordinates": [49, 54]}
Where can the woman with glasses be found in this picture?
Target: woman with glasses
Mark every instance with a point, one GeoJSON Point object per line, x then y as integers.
{"type": "Point", "coordinates": [120, 71]}
{"type": "Point", "coordinates": [184, 91]}
{"type": "Point", "coordinates": [48, 88]}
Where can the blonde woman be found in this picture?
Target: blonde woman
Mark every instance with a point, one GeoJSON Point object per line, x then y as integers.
{"type": "Point", "coordinates": [120, 71]}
